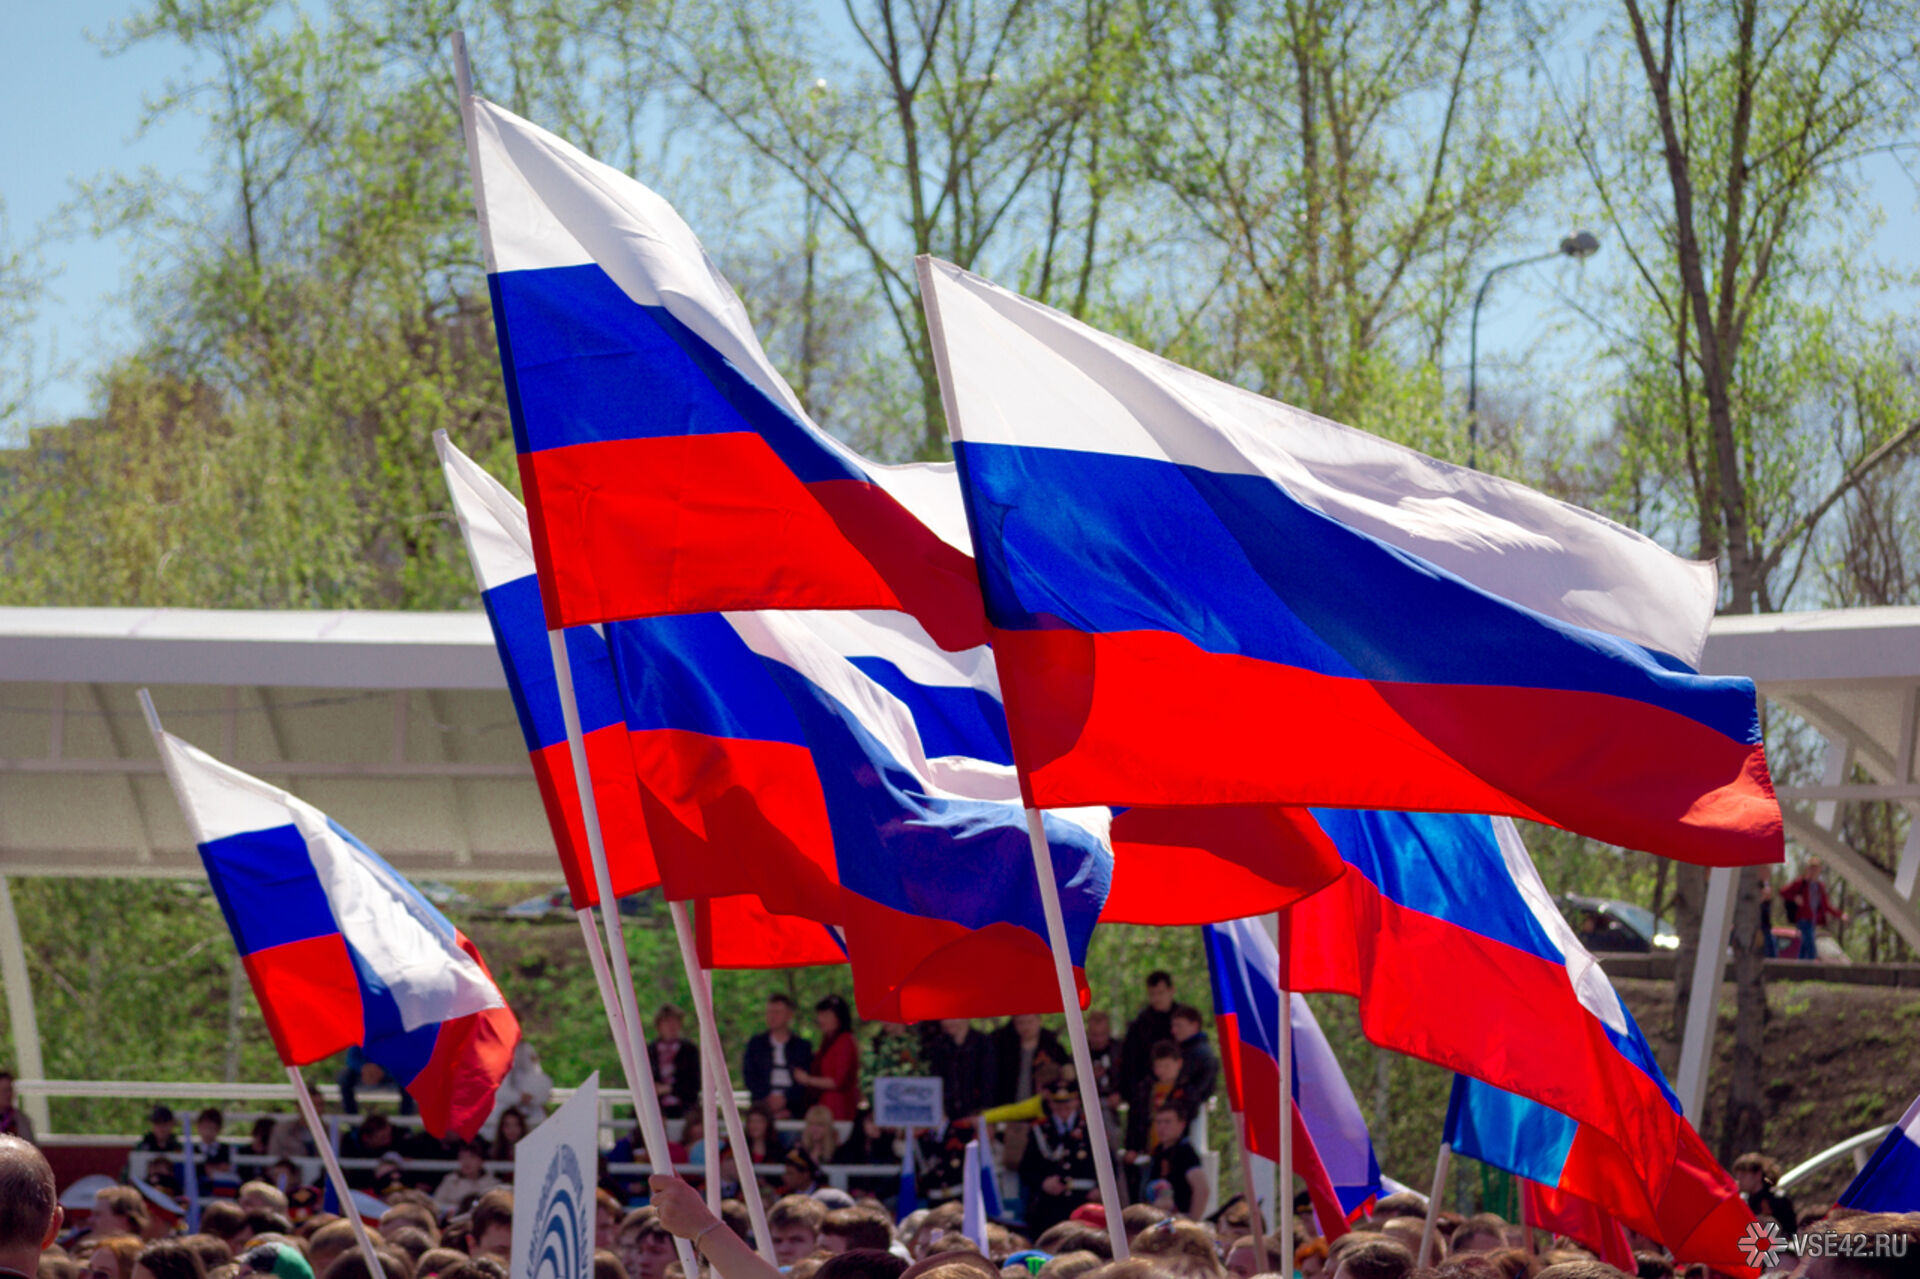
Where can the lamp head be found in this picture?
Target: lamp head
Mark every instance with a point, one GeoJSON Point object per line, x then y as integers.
{"type": "Point", "coordinates": [1581, 244]}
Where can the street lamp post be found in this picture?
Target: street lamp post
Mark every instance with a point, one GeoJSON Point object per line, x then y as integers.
{"type": "Point", "coordinates": [1581, 244]}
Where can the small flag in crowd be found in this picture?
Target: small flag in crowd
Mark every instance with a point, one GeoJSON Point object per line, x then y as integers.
{"type": "Point", "coordinates": [1581, 1220]}
{"type": "Point", "coordinates": [1332, 1149]}
{"type": "Point", "coordinates": [1890, 1180]}
{"type": "Point", "coordinates": [668, 467]}
{"type": "Point", "coordinates": [341, 950]}
{"type": "Point", "coordinates": [1599, 1118]}
{"type": "Point", "coordinates": [1202, 596]}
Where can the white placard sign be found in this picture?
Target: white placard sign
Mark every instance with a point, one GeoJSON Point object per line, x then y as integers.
{"type": "Point", "coordinates": [555, 1172]}
{"type": "Point", "coordinates": [906, 1102]}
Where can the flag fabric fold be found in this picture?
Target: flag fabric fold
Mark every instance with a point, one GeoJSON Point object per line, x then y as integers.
{"type": "Point", "coordinates": [1174, 567]}
{"type": "Point", "coordinates": [340, 949]}
{"type": "Point", "coordinates": [1432, 905]}
{"type": "Point", "coordinates": [1890, 1179]}
{"type": "Point", "coordinates": [668, 468]}
{"type": "Point", "coordinates": [1332, 1144]}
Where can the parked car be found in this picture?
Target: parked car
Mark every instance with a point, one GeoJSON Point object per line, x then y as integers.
{"type": "Point", "coordinates": [555, 903]}
{"type": "Point", "coordinates": [1607, 924]}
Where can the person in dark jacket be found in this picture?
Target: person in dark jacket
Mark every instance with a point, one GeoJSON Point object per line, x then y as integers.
{"type": "Point", "coordinates": [771, 1058]}
{"type": "Point", "coordinates": [1057, 1169]}
{"type": "Point", "coordinates": [1199, 1069]}
{"type": "Point", "coordinates": [963, 1058]}
{"type": "Point", "coordinates": [1017, 1047]}
{"type": "Point", "coordinates": [1754, 1173]}
{"type": "Point", "coordinates": [1153, 1024]}
{"type": "Point", "coordinates": [676, 1064]}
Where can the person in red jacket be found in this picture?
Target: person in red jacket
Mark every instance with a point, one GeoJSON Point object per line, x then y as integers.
{"type": "Point", "coordinates": [1811, 904]}
{"type": "Point", "coordinates": [835, 1077]}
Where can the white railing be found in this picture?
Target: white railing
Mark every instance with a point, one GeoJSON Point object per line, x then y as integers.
{"type": "Point", "coordinates": [1859, 1146]}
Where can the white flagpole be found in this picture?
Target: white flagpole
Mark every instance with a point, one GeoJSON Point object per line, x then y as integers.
{"type": "Point", "coordinates": [653, 1129]}
{"type": "Point", "coordinates": [1283, 1167]}
{"type": "Point", "coordinates": [293, 1072]}
{"type": "Point", "coordinates": [1077, 1032]}
{"type": "Point", "coordinates": [609, 1001]}
{"type": "Point", "coordinates": [717, 1072]}
{"type": "Point", "coordinates": [1253, 1200]}
{"type": "Point", "coordinates": [710, 1138]}
{"type": "Point", "coordinates": [1433, 1200]}
{"type": "Point", "coordinates": [635, 1062]}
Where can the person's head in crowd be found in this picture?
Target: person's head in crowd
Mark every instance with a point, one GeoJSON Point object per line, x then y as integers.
{"type": "Point", "coordinates": [118, 1210]}
{"type": "Point", "coordinates": [1648, 1264]}
{"type": "Point", "coordinates": [1137, 1217]}
{"type": "Point", "coordinates": [408, 1212]}
{"type": "Point", "coordinates": [512, 1127]}
{"type": "Point", "coordinates": [757, 1123]}
{"type": "Point", "coordinates": [669, 1022]}
{"type": "Point", "coordinates": [953, 1241]}
{"type": "Point", "coordinates": [1483, 1232]}
{"type": "Point", "coordinates": [1099, 1029]}
{"type": "Point", "coordinates": [260, 1196]}
{"type": "Point", "coordinates": [207, 1125]}
{"type": "Point", "coordinates": [213, 1252]}
{"type": "Point", "coordinates": [818, 1126]}
{"type": "Point", "coordinates": [793, 1227]}
{"type": "Point", "coordinates": [738, 1219]}
{"type": "Point", "coordinates": [1244, 1260]}
{"type": "Point", "coordinates": [1514, 1263]}
{"type": "Point", "coordinates": [805, 1267]}
{"type": "Point", "coordinates": [168, 1259]}
{"type": "Point", "coordinates": [160, 1125]}
{"type": "Point", "coordinates": [1473, 1265]}
{"type": "Point", "coordinates": [376, 1132]}
{"type": "Point", "coordinates": [490, 1230]}
{"type": "Point", "coordinates": [1184, 1248]}
{"type": "Point", "coordinates": [30, 1214]}
{"type": "Point", "coordinates": [1160, 990]}
{"type": "Point", "coordinates": [1406, 1232]}
{"type": "Point", "coordinates": [799, 1173]}
{"type": "Point", "coordinates": [353, 1265]}
{"type": "Point", "coordinates": [647, 1248]}
{"type": "Point", "coordinates": [1584, 1268]}
{"type": "Point", "coordinates": [952, 1265]}
{"type": "Point", "coordinates": [1893, 1259]}
{"type": "Point", "coordinates": [1403, 1204]}
{"type": "Point", "coordinates": [328, 1242]}
{"type": "Point", "coordinates": [606, 1220]}
{"type": "Point", "coordinates": [411, 1242]}
{"type": "Point", "coordinates": [1075, 1236]}
{"type": "Point", "coordinates": [607, 1265]}
{"type": "Point", "coordinates": [225, 1220]}
{"type": "Point", "coordinates": [437, 1261]}
{"type": "Point", "coordinates": [1186, 1022]}
{"type": "Point", "coordinates": [1374, 1258]}
{"type": "Point", "coordinates": [779, 1012]}
{"type": "Point", "coordinates": [831, 1017]}
{"type": "Point", "coordinates": [861, 1263]}
{"type": "Point", "coordinates": [855, 1230]}
{"type": "Point", "coordinates": [268, 1223]}
{"type": "Point", "coordinates": [1165, 1059]}
{"type": "Point", "coordinates": [1169, 1125]}
{"type": "Point", "coordinates": [1310, 1258]}
{"type": "Point", "coordinates": [1233, 1222]}
{"type": "Point", "coordinates": [1754, 1172]}
{"type": "Point", "coordinates": [113, 1256]}
{"type": "Point", "coordinates": [274, 1257]}
{"type": "Point", "coordinates": [956, 1028]}
{"type": "Point", "coordinates": [476, 1268]}
{"type": "Point", "coordinates": [1026, 1027]}
{"type": "Point", "coordinates": [54, 1263]}
{"type": "Point", "coordinates": [1071, 1265]}
{"type": "Point", "coordinates": [935, 1225]}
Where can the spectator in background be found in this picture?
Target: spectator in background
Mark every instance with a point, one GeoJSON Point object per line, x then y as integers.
{"type": "Point", "coordinates": [30, 1213]}
{"type": "Point", "coordinates": [1755, 1174]}
{"type": "Point", "coordinates": [1161, 1088]}
{"type": "Point", "coordinates": [1810, 904]}
{"type": "Point", "coordinates": [362, 1072]}
{"type": "Point", "coordinates": [819, 1138]}
{"type": "Point", "coordinates": [1175, 1161]}
{"type": "Point", "coordinates": [1017, 1045]}
{"type": "Point", "coordinates": [835, 1078]}
{"type": "Point", "coordinates": [527, 1088]}
{"type": "Point", "coordinates": [118, 1210]}
{"type": "Point", "coordinates": [160, 1135]}
{"type": "Point", "coordinates": [1056, 1170]}
{"type": "Point", "coordinates": [168, 1259]}
{"type": "Point", "coordinates": [491, 1232]}
{"type": "Point", "coordinates": [869, 1143]}
{"type": "Point", "coordinates": [1105, 1054]}
{"type": "Point", "coordinates": [764, 1143]}
{"type": "Point", "coordinates": [1484, 1232]}
{"type": "Point", "coordinates": [676, 1063]}
{"type": "Point", "coordinates": [507, 1134]}
{"type": "Point", "coordinates": [793, 1227]}
{"type": "Point", "coordinates": [771, 1059]}
{"type": "Point", "coordinates": [1199, 1068]}
{"type": "Point", "coordinates": [13, 1120]}
{"type": "Point", "coordinates": [1153, 1024]}
{"type": "Point", "coordinates": [113, 1256]}
{"type": "Point", "coordinates": [216, 1156]}
{"type": "Point", "coordinates": [963, 1059]}
{"type": "Point", "coordinates": [471, 1178]}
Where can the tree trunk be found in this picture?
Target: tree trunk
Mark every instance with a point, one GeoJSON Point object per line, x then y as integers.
{"type": "Point", "coordinates": [1743, 1121]}
{"type": "Point", "coordinates": [1689, 900]}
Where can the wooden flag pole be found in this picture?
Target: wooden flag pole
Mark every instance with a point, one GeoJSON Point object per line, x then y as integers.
{"type": "Point", "coordinates": [1077, 1032]}
{"type": "Point", "coordinates": [716, 1069]}
{"type": "Point", "coordinates": [1433, 1200]}
{"type": "Point", "coordinates": [293, 1072]}
{"type": "Point", "coordinates": [1253, 1201]}
{"type": "Point", "coordinates": [653, 1129]}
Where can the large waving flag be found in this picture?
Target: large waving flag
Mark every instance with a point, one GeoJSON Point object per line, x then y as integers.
{"type": "Point", "coordinates": [1202, 596]}
{"type": "Point", "coordinates": [1432, 905]}
{"type": "Point", "coordinates": [668, 468]}
{"type": "Point", "coordinates": [343, 951]}
{"type": "Point", "coordinates": [735, 932]}
{"type": "Point", "coordinates": [1333, 1150]}
{"type": "Point", "coordinates": [1890, 1180]}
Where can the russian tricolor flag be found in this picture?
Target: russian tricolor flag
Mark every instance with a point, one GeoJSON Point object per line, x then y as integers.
{"type": "Point", "coordinates": [1202, 596]}
{"type": "Point", "coordinates": [342, 950]}
{"type": "Point", "coordinates": [668, 468]}
{"type": "Point", "coordinates": [1890, 1181]}
{"type": "Point", "coordinates": [733, 931]}
{"type": "Point", "coordinates": [1332, 1148]}
{"type": "Point", "coordinates": [1435, 905]}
